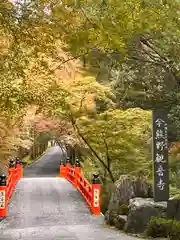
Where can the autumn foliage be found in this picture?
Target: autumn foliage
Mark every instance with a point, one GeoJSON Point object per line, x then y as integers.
{"type": "Point", "coordinates": [82, 74]}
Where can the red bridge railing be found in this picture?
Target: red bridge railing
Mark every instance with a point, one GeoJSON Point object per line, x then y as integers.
{"type": "Point", "coordinates": [8, 184]}
{"type": "Point", "coordinates": [90, 192]}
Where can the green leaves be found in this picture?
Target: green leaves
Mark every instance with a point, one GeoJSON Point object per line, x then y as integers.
{"type": "Point", "coordinates": [134, 44]}
{"type": "Point", "coordinates": [120, 138]}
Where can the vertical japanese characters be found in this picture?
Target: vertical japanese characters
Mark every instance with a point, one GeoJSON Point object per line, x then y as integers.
{"type": "Point", "coordinates": [2, 199]}
{"type": "Point", "coordinates": [160, 155]}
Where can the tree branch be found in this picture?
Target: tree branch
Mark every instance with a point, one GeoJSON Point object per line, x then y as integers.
{"type": "Point", "coordinates": [107, 154]}
{"type": "Point", "coordinates": [95, 154]}
{"type": "Point", "coordinates": [163, 60]}
{"type": "Point", "coordinates": [73, 58]}
{"type": "Point", "coordinates": [90, 147]}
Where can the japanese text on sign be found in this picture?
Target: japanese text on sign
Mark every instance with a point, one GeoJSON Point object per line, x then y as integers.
{"type": "Point", "coordinates": [2, 199]}
{"type": "Point", "coordinates": [160, 155]}
{"type": "Point", "coordinates": [96, 197]}
{"type": "Point", "coordinates": [161, 145]}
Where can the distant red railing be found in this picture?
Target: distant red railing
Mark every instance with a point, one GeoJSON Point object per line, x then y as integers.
{"type": "Point", "coordinates": [8, 184]}
{"type": "Point", "coordinates": [90, 192]}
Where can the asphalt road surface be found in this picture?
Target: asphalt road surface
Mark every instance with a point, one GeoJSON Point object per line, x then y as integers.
{"type": "Point", "coordinates": [44, 207]}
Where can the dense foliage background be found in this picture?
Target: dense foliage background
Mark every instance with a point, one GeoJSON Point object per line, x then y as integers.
{"type": "Point", "coordinates": [88, 73]}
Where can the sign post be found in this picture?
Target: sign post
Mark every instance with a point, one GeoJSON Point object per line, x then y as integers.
{"type": "Point", "coordinates": [3, 195]}
{"type": "Point", "coordinates": [160, 156]}
{"type": "Point", "coordinates": [96, 187]}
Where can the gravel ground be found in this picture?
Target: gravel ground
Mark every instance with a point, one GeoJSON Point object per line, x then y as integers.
{"type": "Point", "coordinates": [49, 208]}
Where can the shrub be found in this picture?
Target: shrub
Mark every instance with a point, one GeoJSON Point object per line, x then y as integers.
{"type": "Point", "coordinates": [160, 227]}
{"type": "Point", "coordinates": [175, 231]}
{"type": "Point", "coordinates": [105, 197]}
{"type": "Point", "coordinates": [123, 209]}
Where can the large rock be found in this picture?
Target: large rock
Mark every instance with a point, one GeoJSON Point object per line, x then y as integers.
{"type": "Point", "coordinates": [140, 213]}
{"type": "Point", "coordinates": [126, 188]}
{"type": "Point", "coordinates": [173, 209]}
{"type": "Point", "coordinates": [120, 221]}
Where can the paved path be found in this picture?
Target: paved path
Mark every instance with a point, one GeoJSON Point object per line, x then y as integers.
{"type": "Point", "coordinates": [48, 166]}
{"type": "Point", "coordinates": [49, 208]}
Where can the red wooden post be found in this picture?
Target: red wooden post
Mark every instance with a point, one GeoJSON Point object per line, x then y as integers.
{"type": "Point", "coordinates": [76, 175]}
{"type": "Point", "coordinates": [68, 165]}
{"type": "Point", "coordinates": [12, 173]}
{"type": "Point", "coordinates": [95, 201]}
{"type": "Point", "coordinates": [77, 172]}
{"type": "Point", "coordinates": [72, 175]}
{"type": "Point", "coordinates": [3, 197]}
{"type": "Point", "coordinates": [62, 169]}
{"type": "Point", "coordinates": [19, 169]}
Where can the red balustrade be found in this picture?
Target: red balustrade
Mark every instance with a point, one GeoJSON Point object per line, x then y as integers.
{"type": "Point", "coordinates": [8, 184]}
{"type": "Point", "coordinates": [90, 192]}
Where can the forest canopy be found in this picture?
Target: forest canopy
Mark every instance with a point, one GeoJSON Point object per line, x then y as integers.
{"type": "Point", "coordinates": [89, 73]}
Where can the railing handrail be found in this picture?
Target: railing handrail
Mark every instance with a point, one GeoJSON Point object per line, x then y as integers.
{"type": "Point", "coordinates": [90, 192]}
{"type": "Point", "coordinates": [8, 184]}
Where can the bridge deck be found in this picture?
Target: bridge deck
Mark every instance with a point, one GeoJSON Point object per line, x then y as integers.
{"type": "Point", "coordinates": [51, 208]}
